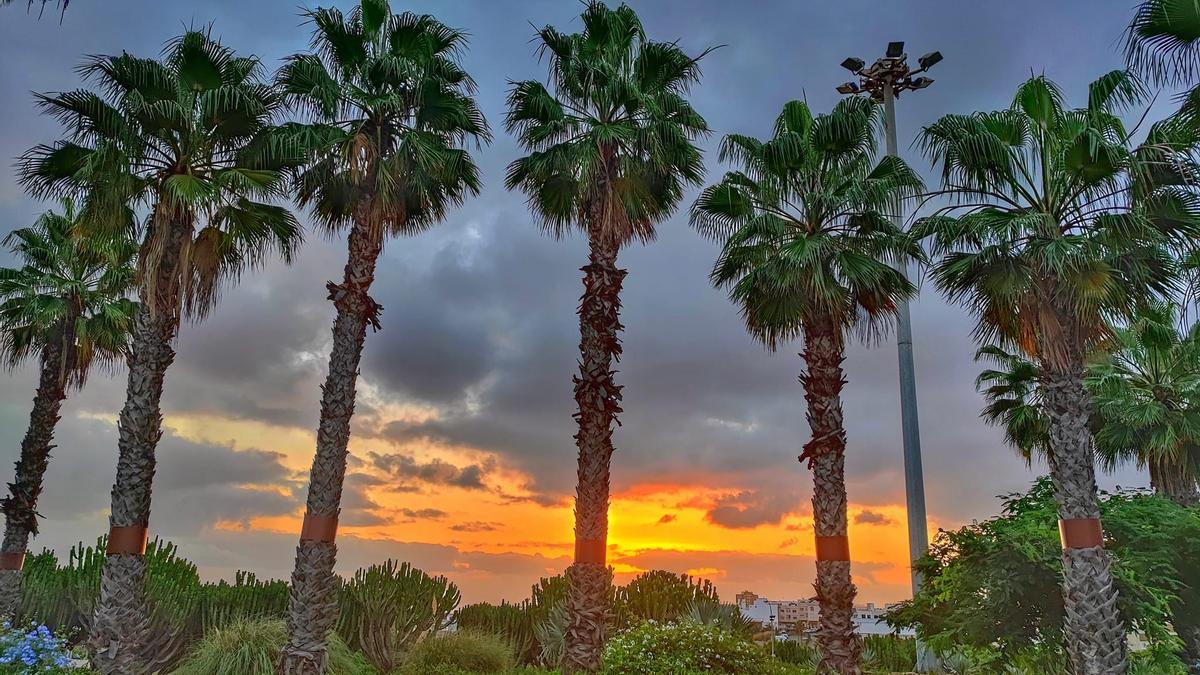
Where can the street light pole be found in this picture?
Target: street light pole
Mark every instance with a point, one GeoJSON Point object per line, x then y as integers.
{"type": "Point", "coordinates": [883, 81]}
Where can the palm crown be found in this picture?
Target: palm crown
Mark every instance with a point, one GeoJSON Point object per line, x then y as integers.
{"type": "Point", "coordinates": [611, 141]}
{"type": "Point", "coordinates": [67, 288]}
{"type": "Point", "coordinates": [806, 222]}
{"type": "Point", "coordinates": [1147, 393]}
{"type": "Point", "coordinates": [1056, 223]}
{"type": "Point", "coordinates": [391, 109]}
{"type": "Point", "coordinates": [174, 134]}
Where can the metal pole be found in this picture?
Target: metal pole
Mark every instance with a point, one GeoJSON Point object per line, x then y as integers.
{"type": "Point", "coordinates": [914, 480]}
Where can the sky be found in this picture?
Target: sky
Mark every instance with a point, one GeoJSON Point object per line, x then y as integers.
{"type": "Point", "coordinates": [462, 458]}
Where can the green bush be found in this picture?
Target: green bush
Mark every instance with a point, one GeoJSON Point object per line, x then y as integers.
{"type": "Point", "coordinates": [653, 647]}
{"type": "Point", "coordinates": [534, 627]}
{"type": "Point", "coordinates": [459, 652]}
{"type": "Point", "coordinates": [889, 653]}
{"type": "Point", "coordinates": [252, 647]}
{"type": "Point", "coordinates": [386, 609]}
{"type": "Point", "coordinates": [797, 653]}
{"type": "Point", "coordinates": [661, 596]}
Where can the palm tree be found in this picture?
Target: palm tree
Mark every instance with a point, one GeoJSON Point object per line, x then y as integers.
{"type": "Point", "coordinates": [806, 234]}
{"type": "Point", "coordinates": [1146, 392]}
{"type": "Point", "coordinates": [1143, 390]}
{"type": "Point", "coordinates": [611, 148]}
{"type": "Point", "coordinates": [176, 135]}
{"type": "Point", "coordinates": [65, 305]}
{"type": "Point", "coordinates": [391, 111]}
{"type": "Point", "coordinates": [1055, 226]}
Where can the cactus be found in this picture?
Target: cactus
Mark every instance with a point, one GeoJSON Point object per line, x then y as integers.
{"type": "Point", "coordinates": [387, 608]}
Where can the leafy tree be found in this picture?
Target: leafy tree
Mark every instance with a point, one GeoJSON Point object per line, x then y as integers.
{"type": "Point", "coordinates": [390, 111]}
{"type": "Point", "coordinates": [806, 233]}
{"type": "Point", "coordinates": [173, 134]}
{"type": "Point", "coordinates": [611, 147]}
{"type": "Point", "coordinates": [66, 306]}
{"type": "Point", "coordinates": [997, 583]}
{"type": "Point", "coordinates": [1057, 224]}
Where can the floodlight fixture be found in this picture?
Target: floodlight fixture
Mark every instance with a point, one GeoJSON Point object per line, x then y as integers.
{"type": "Point", "coordinates": [930, 60]}
{"type": "Point", "coordinates": [895, 50]}
{"type": "Point", "coordinates": [853, 65]}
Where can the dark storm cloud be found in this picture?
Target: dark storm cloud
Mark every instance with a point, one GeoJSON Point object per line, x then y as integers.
{"type": "Point", "coordinates": [424, 514]}
{"type": "Point", "coordinates": [435, 471]}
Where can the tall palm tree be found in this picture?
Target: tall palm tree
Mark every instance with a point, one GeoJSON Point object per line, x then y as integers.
{"type": "Point", "coordinates": [806, 233]}
{"type": "Point", "coordinates": [66, 306]}
{"type": "Point", "coordinates": [1056, 225]}
{"type": "Point", "coordinates": [391, 112]}
{"type": "Point", "coordinates": [611, 148]}
{"type": "Point", "coordinates": [177, 136]}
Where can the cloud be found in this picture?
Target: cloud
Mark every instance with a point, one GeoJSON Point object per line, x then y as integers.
{"type": "Point", "coordinates": [435, 472]}
{"type": "Point", "coordinates": [475, 526]}
{"type": "Point", "coordinates": [428, 514]}
{"type": "Point", "coordinates": [872, 518]}
{"type": "Point", "coordinates": [750, 508]}
{"type": "Point", "coordinates": [667, 518]}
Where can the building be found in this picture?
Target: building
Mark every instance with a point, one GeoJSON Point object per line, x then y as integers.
{"type": "Point", "coordinates": [800, 616]}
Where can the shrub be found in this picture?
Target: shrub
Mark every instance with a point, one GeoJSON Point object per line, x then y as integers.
{"type": "Point", "coordinates": [889, 653]}
{"type": "Point", "coordinates": [35, 649]}
{"type": "Point", "coordinates": [386, 609]}
{"type": "Point", "coordinates": [660, 596]}
{"type": "Point", "coordinates": [653, 647]}
{"type": "Point", "coordinates": [459, 652]}
{"type": "Point", "coordinates": [251, 647]}
{"type": "Point", "coordinates": [534, 627]}
{"type": "Point", "coordinates": [797, 653]}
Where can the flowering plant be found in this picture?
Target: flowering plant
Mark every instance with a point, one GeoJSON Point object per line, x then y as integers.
{"type": "Point", "coordinates": [32, 650]}
{"type": "Point", "coordinates": [653, 647]}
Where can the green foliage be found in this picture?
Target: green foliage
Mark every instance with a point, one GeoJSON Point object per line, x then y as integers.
{"type": "Point", "coordinates": [653, 647]}
{"type": "Point", "coordinates": [1057, 221]}
{"type": "Point", "coordinates": [533, 627]}
{"type": "Point", "coordinates": [889, 653]}
{"type": "Point", "coordinates": [805, 223]}
{"type": "Point", "coordinates": [611, 138]}
{"type": "Point", "coordinates": [173, 134]}
{"type": "Point", "coordinates": [798, 653]}
{"type": "Point", "coordinates": [70, 290]}
{"type": "Point", "coordinates": [997, 584]}
{"type": "Point", "coordinates": [62, 596]}
{"type": "Point", "coordinates": [252, 647]}
{"type": "Point", "coordinates": [661, 596]}
{"type": "Point", "coordinates": [459, 653]}
{"type": "Point", "coordinates": [386, 609]}
{"type": "Point", "coordinates": [375, 150]}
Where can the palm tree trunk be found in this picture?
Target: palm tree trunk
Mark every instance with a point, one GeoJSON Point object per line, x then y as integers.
{"type": "Point", "coordinates": [599, 401]}
{"type": "Point", "coordinates": [1096, 640]}
{"type": "Point", "coordinates": [1173, 482]}
{"type": "Point", "coordinates": [20, 508]}
{"type": "Point", "coordinates": [313, 611]}
{"type": "Point", "coordinates": [825, 453]}
{"type": "Point", "coordinates": [121, 620]}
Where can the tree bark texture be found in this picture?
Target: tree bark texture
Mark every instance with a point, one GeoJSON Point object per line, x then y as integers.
{"type": "Point", "coordinates": [121, 620]}
{"type": "Point", "coordinates": [823, 380]}
{"type": "Point", "coordinates": [599, 402]}
{"type": "Point", "coordinates": [20, 507]}
{"type": "Point", "coordinates": [313, 608]}
{"type": "Point", "coordinates": [1096, 639]}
